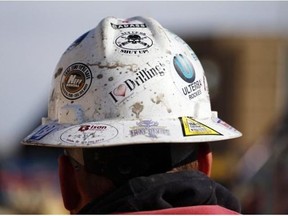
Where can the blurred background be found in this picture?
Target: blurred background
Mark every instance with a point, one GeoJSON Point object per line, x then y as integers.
{"type": "Point", "coordinates": [243, 49]}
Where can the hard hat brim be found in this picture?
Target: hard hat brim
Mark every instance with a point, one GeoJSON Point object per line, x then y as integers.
{"type": "Point", "coordinates": [125, 132]}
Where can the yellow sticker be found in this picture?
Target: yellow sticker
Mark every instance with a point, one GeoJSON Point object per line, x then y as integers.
{"type": "Point", "coordinates": [191, 127]}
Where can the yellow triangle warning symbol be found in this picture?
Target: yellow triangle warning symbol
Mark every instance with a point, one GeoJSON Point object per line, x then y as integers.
{"type": "Point", "coordinates": [191, 127]}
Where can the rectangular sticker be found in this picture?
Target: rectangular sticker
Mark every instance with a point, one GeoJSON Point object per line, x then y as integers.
{"type": "Point", "coordinates": [43, 131]}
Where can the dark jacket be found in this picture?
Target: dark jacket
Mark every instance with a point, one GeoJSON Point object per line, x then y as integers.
{"type": "Point", "coordinates": [189, 192]}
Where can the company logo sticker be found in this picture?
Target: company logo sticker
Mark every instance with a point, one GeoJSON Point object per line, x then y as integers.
{"type": "Point", "coordinates": [128, 25]}
{"type": "Point", "coordinates": [191, 127]}
{"type": "Point", "coordinates": [76, 81]}
{"type": "Point", "coordinates": [224, 124]}
{"type": "Point", "coordinates": [89, 134]}
{"type": "Point", "coordinates": [184, 68]}
{"type": "Point", "coordinates": [133, 42]}
{"type": "Point", "coordinates": [43, 131]}
{"type": "Point", "coordinates": [128, 86]}
{"type": "Point", "coordinates": [189, 85]}
{"type": "Point", "coordinates": [149, 128]}
{"type": "Point", "coordinates": [77, 41]}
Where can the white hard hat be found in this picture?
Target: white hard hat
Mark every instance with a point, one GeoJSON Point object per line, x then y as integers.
{"type": "Point", "coordinates": [129, 81]}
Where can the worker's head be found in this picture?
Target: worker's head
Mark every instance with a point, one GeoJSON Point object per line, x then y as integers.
{"type": "Point", "coordinates": [129, 98]}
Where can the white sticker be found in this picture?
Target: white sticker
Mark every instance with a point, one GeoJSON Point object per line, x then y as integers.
{"type": "Point", "coordinates": [133, 42]}
{"type": "Point", "coordinates": [89, 134]}
{"type": "Point", "coordinates": [132, 84]}
{"type": "Point", "coordinates": [185, 76]}
{"type": "Point", "coordinates": [149, 128]}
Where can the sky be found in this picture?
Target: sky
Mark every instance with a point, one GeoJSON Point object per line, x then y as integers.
{"type": "Point", "coordinates": [34, 35]}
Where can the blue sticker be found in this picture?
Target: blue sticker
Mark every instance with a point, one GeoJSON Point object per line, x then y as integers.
{"type": "Point", "coordinates": [184, 68]}
{"type": "Point", "coordinates": [43, 131]}
{"type": "Point", "coordinates": [77, 41]}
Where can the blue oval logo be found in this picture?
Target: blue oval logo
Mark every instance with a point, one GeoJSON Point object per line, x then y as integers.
{"type": "Point", "coordinates": [184, 68]}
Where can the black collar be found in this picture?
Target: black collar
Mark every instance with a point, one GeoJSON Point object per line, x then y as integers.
{"type": "Point", "coordinates": [163, 191]}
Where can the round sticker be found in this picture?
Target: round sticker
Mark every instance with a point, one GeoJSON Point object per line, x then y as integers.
{"type": "Point", "coordinates": [184, 68]}
{"type": "Point", "coordinates": [134, 40]}
{"type": "Point", "coordinates": [89, 134]}
{"type": "Point", "coordinates": [76, 81]}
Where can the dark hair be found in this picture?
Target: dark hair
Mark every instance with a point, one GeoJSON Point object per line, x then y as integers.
{"type": "Point", "coordinates": [121, 163]}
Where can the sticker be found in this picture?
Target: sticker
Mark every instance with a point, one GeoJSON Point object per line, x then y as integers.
{"type": "Point", "coordinates": [192, 127]}
{"type": "Point", "coordinates": [148, 128]}
{"type": "Point", "coordinates": [133, 42]}
{"type": "Point", "coordinates": [89, 134]}
{"type": "Point", "coordinates": [43, 131]}
{"type": "Point", "coordinates": [188, 85]}
{"type": "Point", "coordinates": [77, 41]}
{"type": "Point", "coordinates": [76, 81]}
{"type": "Point", "coordinates": [127, 87]}
{"type": "Point", "coordinates": [221, 122]}
{"type": "Point", "coordinates": [128, 25]}
{"type": "Point", "coordinates": [184, 68]}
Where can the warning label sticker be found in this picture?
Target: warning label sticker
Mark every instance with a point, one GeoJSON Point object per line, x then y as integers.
{"type": "Point", "coordinates": [191, 127]}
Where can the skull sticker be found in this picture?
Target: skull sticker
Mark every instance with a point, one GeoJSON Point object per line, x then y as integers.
{"type": "Point", "coordinates": [134, 40]}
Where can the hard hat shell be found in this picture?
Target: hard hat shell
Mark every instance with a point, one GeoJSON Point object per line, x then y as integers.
{"type": "Point", "coordinates": [129, 81]}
